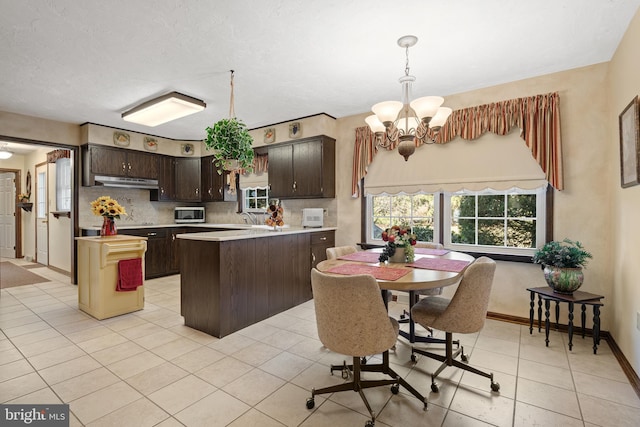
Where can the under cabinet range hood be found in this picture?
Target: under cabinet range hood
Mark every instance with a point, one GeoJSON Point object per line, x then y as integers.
{"type": "Point", "coordinates": [122, 182]}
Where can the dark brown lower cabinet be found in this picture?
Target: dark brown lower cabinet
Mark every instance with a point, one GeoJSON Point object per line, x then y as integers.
{"type": "Point", "coordinates": [158, 251]}
{"type": "Point", "coordinates": [226, 286]}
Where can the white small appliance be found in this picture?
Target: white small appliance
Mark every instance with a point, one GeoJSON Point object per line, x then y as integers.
{"type": "Point", "coordinates": [186, 215]}
{"type": "Point", "coordinates": [312, 217]}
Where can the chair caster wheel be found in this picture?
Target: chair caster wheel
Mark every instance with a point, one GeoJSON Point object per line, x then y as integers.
{"type": "Point", "coordinates": [311, 403]}
{"type": "Point", "coordinates": [345, 374]}
{"type": "Point", "coordinates": [464, 358]}
{"type": "Point", "coordinates": [395, 389]}
{"type": "Point", "coordinates": [369, 424]}
{"type": "Point", "coordinates": [434, 388]}
{"type": "Point", "coordinates": [414, 359]}
{"type": "Point", "coordinates": [495, 387]}
{"type": "Point", "coordinates": [363, 361]}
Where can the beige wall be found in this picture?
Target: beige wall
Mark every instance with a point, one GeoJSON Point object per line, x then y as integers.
{"type": "Point", "coordinates": [623, 85]}
{"type": "Point", "coordinates": [581, 211]}
{"type": "Point", "coordinates": [19, 126]}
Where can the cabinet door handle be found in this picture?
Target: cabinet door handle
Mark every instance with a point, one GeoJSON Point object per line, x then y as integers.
{"type": "Point", "coordinates": [295, 185]}
{"type": "Point", "coordinates": [220, 191]}
{"type": "Point", "coordinates": [323, 239]}
{"type": "Point", "coordinates": [152, 234]}
{"type": "Point", "coordinates": [313, 257]}
{"type": "Point", "coordinates": [124, 167]}
{"type": "Point", "coordinates": [129, 166]}
{"type": "Point", "coordinates": [161, 190]}
{"type": "Point", "coordinates": [197, 190]}
{"type": "Point", "coordinates": [173, 237]}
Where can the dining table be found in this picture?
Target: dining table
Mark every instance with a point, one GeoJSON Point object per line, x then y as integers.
{"type": "Point", "coordinates": [431, 268]}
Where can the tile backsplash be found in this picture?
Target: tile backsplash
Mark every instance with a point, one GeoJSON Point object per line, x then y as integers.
{"type": "Point", "coordinates": [142, 211]}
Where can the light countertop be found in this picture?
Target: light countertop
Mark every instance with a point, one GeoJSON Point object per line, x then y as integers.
{"type": "Point", "coordinates": [121, 226]}
{"type": "Point", "coordinates": [249, 233]}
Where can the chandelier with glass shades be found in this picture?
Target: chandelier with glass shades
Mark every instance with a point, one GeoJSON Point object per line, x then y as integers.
{"type": "Point", "coordinates": [407, 121]}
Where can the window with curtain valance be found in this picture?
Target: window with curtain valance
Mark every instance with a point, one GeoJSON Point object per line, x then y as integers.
{"type": "Point", "coordinates": [538, 118]}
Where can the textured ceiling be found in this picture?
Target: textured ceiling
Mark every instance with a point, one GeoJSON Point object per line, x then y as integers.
{"type": "Point", "coordinates": [88, 61]}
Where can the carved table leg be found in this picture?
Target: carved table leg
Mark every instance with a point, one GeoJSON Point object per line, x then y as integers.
{"type": "Point", "coordinates": [546, 321]}
{"type": "Point", "coordinates": [531, 307]}
{"type": "Point", "coordinates": [570, 326]}
{"type": "Point", "coordinates": [596, 327]}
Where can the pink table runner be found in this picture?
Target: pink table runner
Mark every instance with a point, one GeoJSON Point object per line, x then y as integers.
{"type": "Point", "coordinates": [361, 257]}
{"type": "Point", "coordinates": [429, 251]}
{"type": "Point", "coordinates": [383, 273]}
{"type": "Point", "coordinates": [440, 264]}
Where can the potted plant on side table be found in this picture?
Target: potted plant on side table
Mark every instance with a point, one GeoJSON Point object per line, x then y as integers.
{"type": "Point", "coordinates": [562, 263]}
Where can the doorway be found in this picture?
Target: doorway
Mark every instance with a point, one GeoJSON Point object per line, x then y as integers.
{"type": "Point", "coordinates": [42, 216]}
{"type": "Point", "coordinates": [7, 215]}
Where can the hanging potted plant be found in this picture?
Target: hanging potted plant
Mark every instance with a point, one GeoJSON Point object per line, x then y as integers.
{"type": "Point", "coordinates": [231, 142]}
{"type": "Point", "coordinates": [562, 263]}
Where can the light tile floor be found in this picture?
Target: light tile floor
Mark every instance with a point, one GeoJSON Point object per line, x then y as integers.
{"type": "Point", "coordinates": [148, 369]}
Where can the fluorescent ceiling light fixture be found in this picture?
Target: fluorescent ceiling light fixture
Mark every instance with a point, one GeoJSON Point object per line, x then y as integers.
{"type": "Point", "coordinates": [4, 153]}
{"type": "Point", "coordinates": [164, 109]}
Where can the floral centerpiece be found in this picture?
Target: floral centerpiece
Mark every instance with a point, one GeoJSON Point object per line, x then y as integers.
{"type": "Point", "coordinates": [110, 210]}
{"type": "Point", "coordinates": [24, 197]}
{"type": "Point", "coordinates": [275, 213]}
{"type": "Point", "coordinates": [398, 238]}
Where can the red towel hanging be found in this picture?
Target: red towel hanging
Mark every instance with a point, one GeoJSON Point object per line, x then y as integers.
{"type": "Point", "coordinates": [129, 274]}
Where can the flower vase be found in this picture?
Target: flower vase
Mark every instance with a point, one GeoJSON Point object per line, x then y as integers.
{"type": "Point", "coordinates": [108, 227]}
{"type": "Point", "coordinates": [398, 256]}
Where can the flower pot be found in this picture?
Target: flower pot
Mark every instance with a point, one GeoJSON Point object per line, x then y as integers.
{"type": "Point", "coordinates": [563, 280]}
{"type": "Point", "coordinates": [109, 228]}
{"type": "Point", "coordinates": [399, 256]}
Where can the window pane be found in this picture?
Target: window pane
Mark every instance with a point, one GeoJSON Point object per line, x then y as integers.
{"type": "Point", "coordinates": [521, 206]}
{"type": "Point", "coordinates": [381, 206]}
{"type": "Point", "coordinates": [491, 232]}
{"type": "Point", "coordinates": [521, 234]}
{"type": "Point", "coordinates": [379, 225]}
{"type": "Point", "coordinates": [464, 231]}
{"type": "Point", "coordinates": [423, 205]}
{"type": "Point", "coordinates": [423, 229]}
{"type": "Point", "coordinates": [262, 192]}
{"type": "Point", "coordinates": [401, 207]}
{"type": "Point", "coordinates": [491, 206]}
{"type": "Point", "coordinates": [463, 206]}
{"type": "Point", "coordinates": [262, 204]}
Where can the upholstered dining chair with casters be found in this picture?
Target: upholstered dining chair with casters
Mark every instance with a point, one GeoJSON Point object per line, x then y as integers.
{"type": "Point", "coordinates": [338, 251]}
{"type": "Point", "coordinates": [352, 320]}
{"type": "Point", "coordinates": [465, 313]}
{"type": "Point", "coordinates": [414, 297]}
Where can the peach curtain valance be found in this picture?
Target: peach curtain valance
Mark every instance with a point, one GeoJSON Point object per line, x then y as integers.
{"type": "Point", "coordinates": [537, 116]}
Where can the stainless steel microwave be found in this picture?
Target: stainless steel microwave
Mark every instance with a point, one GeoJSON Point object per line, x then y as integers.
{"type": "Point", "coordinates": [184, 215]}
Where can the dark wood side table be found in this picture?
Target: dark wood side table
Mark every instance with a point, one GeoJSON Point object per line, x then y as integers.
{"type": "Point", "coordinates": [583, 298]}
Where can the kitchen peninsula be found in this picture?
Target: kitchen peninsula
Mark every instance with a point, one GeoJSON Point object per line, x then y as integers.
{"type": "Point", "coordinates": [233, 279]}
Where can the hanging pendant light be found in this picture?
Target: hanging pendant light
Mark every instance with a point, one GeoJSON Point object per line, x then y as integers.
{"type": "Point", "coordinates": [404, 123]}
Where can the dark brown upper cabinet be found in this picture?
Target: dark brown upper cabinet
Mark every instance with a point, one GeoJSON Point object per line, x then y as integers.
{"type": "Point", "coordinates": [303, 169]}
{"type": "Point", "coordinates": [119, 162]}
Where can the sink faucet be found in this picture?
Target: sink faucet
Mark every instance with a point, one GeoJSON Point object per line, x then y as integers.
{"type": "Point", "coordinates": [250, 218]}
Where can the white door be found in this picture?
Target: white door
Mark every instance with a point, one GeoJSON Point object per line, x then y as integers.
{"type": "Point", "coordinates": [7, 215]}
{"type": "Point", "coordinates": [42, 218]}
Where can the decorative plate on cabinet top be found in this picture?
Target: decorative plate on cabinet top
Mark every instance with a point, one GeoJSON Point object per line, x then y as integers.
{"type": "Point", "coordinates": [121, 139]}
{"type": "Point", "coordinates": [186, 149]}
{"type": "Point", "coordinates": [150, 144]}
